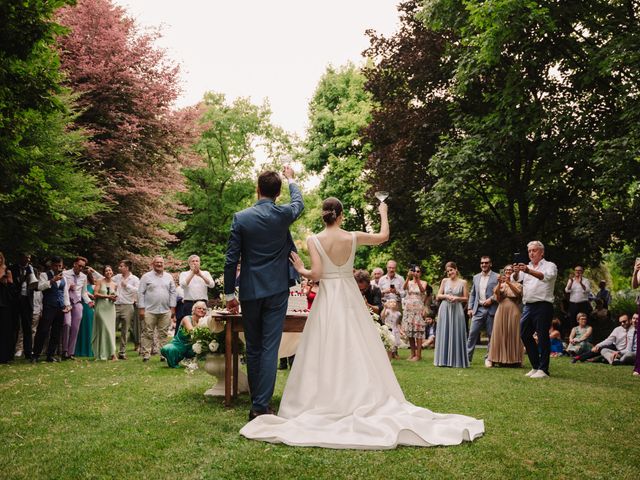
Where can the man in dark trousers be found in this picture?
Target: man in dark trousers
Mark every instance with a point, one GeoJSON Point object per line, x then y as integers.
{"type": "Point", "coordinates": [260, 240]}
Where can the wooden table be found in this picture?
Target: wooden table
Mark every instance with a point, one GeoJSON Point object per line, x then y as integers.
{"type": "Point", "coordinates": [233, 326]}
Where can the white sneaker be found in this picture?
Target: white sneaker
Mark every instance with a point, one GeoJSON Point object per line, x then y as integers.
{"type": "Point", "coordinates": [488, 363]}
{"type": "Point", "coordinates": [18, 354]}
{"type": "Point", "coordinates": [531, 372]}
{"type": "Point", "coordinates": [539, 374]}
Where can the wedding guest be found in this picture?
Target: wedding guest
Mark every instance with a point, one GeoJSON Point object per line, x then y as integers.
{"type": "Point", "coordinates": [429, 333]}
{"type": "Point", "coordinates": [195, 284]}
{"type": "Point", "coordinates": [603, 294]}
{"type": "Point", "coordinates": [376, 274]}
{"type": "Point", "coordinates": [7, 330]}
{"type": "Point", "coordinates": [579, 290]}
{"type": "Point", "coordinates": [76, 280]}
{"type": "Point", "coordinates": [85, 334]}
{"type": "Point", "coordinates": [392, 318]}
{"type": "Point", "coordinates": [311, 290]}
{"type": "Point", "coordinates": [157, 303]}
{"type": "Point", "coordinates": [104, 324]}
{"type": "Point", "coordinates": [619, 348]}
{"type": "Point", "coordinates": [482, 306]}
{"type": "Point", "coordinates": [506, 347]}
{"type": "Point", "coordinates": [413, 322]}
{"type": "Point", "coordinates": [635, 283]}
{"type": "Point", "coordinates": [451, 350]}
{"type": "Point", "coordinates": [580, 336]}
{"type": "Point", "coordinates": [55, 303]}
{"type": "Point", "coordinates": [127, 294]}
{"type": "Point", "coordinates": [25, 283]}
{"type": "Point", "coordinates": [555, 338]}
{"type": "Point", "coordinates": [370, 293]}
{"type": "Point", "coordinates": [180, 346]}
{"type": "Point", "coordinates": [391, 283]}
{"type": "Point", "coordinates": [538, 281]}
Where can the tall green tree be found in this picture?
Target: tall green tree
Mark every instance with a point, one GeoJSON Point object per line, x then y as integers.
{"type": "Point", "coordinates": [543, 103]}
{"type": "Point", "coordinates": [334, 147]}
{"type": "Point", "coordinates": [45, 194]}
{"type": "Point", "coordinates": [224, 180]}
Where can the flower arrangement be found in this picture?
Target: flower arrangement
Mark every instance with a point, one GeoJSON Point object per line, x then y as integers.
{"type": "Point", "coordinates": [206, 341]}
{"type": "Point", "coordinates": [385, 333]}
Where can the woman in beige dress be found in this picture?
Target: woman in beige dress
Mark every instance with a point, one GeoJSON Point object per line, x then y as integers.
{"type": "Point", "coordinates": [506, 347]}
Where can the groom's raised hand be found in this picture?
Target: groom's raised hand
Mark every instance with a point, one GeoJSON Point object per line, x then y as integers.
{"type": "Point", "coordinates": [287, 171]}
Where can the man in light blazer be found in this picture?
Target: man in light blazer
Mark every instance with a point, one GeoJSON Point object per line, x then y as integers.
{"type": "Point", "coordinates": [482, 306]}
{"type": "Point", "coordinates": [260, 240]}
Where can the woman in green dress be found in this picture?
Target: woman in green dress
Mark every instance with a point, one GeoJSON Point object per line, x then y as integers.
{"type": "Point", "coordinates": [85, 334]}
{"type": "Point", "coordinates": [180, 346]}
{"type": "Point", "coordinates": [104, 324]}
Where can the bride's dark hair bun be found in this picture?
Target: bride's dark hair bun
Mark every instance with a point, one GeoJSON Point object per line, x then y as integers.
{"type": "Point", "coordinates": [331, 210]}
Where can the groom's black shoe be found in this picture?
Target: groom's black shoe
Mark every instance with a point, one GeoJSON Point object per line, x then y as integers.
{"type": "Point", "coordinates": [253, 414]}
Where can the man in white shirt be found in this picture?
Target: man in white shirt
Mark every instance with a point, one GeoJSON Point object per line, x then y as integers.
{"type": "Point", "coordinates": [579, 290]}
{"type": "Point", "coordinates": [157, 303]}
{"type": "Point", "coordinates": [391, 284]}
{"type": "Point", "coordinates": [77, 282]}
{"type": "Point", "coordinates": [127, 285]}
{"type": "Point", "coordinates": [619, 348]}
{"type": "Point", "coordinates": [538, 281]}
{"type": "Point", "coordinates": [195, 284]}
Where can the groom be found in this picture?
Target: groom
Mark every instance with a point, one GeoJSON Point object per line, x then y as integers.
{"type": "Point", "coordinates": [261, 241]}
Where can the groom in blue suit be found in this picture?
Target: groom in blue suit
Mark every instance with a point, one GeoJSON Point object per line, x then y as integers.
{"type": "Point", "coordinates": [260, 240]}
{"type": "Point", "coordinates": [482, 305]}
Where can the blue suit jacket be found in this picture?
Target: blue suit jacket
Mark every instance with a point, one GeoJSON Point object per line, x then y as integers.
{"type": "Point", "coordinates": [261, 241]}
{"type": "Point", "coordinates": [474, 297]}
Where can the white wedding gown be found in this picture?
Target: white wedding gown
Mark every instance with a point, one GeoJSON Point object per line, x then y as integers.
{"type": "Point", "coordinates": [342, 392]}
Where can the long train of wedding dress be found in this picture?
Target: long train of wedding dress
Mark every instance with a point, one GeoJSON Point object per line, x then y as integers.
{"type": "Point", "coordinates": [342, 391]}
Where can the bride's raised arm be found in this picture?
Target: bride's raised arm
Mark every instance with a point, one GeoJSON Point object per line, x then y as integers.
{"type": "Point", "coordinates": [316, 262]}
{"type": "Point", "coordinates": [365, 238]}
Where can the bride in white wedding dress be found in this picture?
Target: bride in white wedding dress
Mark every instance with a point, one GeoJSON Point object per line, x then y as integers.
{"type": "Point", "coordinates": [342, 392]}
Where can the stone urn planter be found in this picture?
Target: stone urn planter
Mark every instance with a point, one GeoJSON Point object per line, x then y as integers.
{"type": "Point", "coordinates": [214, 366]}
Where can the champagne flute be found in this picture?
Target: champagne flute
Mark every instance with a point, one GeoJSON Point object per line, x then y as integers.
{"type": "Point", "coordinates": [382, 195]}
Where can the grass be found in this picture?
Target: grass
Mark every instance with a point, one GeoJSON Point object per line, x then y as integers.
{"type": "Point", "coordinates": [126, 419]}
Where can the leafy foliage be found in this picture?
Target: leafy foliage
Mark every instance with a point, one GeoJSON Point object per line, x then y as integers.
{"type": "Point", "coordinates": [125, 87]}
{"type": "Point", "coordinates": [45, 196]}
{"type": "Point", "coordinates": [537, 135]}
{"type": "Point", "coordinates": [222, 182]}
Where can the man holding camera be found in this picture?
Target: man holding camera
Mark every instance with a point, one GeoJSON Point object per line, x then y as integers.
{"type": "Point", "coordinates": [391, 284]}
{"type": "Point", "coordinates": [538, 280]}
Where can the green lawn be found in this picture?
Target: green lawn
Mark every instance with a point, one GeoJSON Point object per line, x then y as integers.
{"type": "Point", "coordinates": [126, 419]}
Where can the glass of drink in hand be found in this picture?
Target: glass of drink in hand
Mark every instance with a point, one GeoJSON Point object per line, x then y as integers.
{"type": "Point", "coordinates": [382, 195]}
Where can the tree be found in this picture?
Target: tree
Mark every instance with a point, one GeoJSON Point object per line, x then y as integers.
{"type": "Point", "coordinates": [125, 88]}
{"type": "Point", "coordinates": [542, 100]}
{"type": "Point", "coordinates": [45, 197]}
{"type": "Point", "coordinates": [406, 76]}
{"type": "Point", "coordinates": [338, 112]}
{"type": "Point", "coordinates": [223, 181]}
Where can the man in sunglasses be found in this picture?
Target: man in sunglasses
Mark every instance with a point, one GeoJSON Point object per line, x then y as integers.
{"type": "Point", "coordinates": [482, 306]}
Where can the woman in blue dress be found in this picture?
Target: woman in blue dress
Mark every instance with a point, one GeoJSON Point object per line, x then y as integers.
{"type": "Point", "coordinates": [451, 335]}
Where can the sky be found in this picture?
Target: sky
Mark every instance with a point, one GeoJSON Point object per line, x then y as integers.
{"type": "Point", "coordinates": [275, 49]}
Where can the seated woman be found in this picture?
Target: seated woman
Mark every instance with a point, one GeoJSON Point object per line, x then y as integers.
{"type": "Point", "coordinates": [580, 336]}
{"type": "Point", "coordinates": [180, 347]}
{"type": "Point", "coordinates": [557, 347]}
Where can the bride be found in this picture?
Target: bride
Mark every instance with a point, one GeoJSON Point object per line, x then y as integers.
{"type": "Point", "coordinates": [342, 392]}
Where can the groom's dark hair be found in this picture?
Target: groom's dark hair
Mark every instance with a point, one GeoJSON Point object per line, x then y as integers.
{"type": "Point", "coordinates": [269, 184]}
